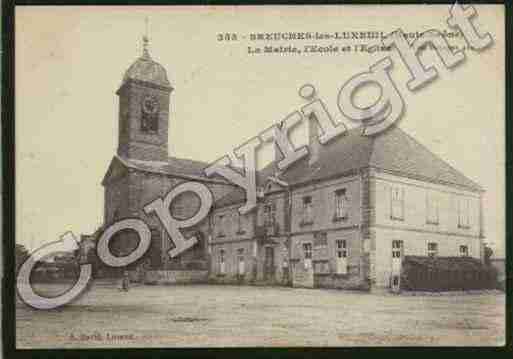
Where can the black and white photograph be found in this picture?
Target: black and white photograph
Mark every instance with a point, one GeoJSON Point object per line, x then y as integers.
{"type": "Point", "coordinates": [260, 176]}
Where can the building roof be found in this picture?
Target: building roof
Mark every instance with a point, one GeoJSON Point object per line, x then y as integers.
{"type": "Point", "coordinates": [176, 167]}
{"type": "Point", "coordinates": [173, 165]}
{"type": "Point", "coordinates": [393, 150]}
{"type": "Point", "coordinates": [238, 195]}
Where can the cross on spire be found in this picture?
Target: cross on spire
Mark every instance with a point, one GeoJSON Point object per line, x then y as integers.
{"type": "Point", "coordinates": [146, 40]}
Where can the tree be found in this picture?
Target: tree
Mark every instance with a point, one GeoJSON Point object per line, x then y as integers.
{"type": "Point", "coordinates": [21, 255]}
{"type": "Point", "coordinates": [488, 252]}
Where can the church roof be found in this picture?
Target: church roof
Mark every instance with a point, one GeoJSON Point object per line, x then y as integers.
{"type": "Point", "coordinates": [147, 70]}
{"type": "Point", "coordinates": [173, 165]}
{"type": "Point", "coordinates": [239, 195]}
{"type": "Point", "coordinates": [176, 167]}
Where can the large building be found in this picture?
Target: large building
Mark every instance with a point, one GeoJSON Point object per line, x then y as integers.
{"type": "Point", "coordinates": [344, 216]}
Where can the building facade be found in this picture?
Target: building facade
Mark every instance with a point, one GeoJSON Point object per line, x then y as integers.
{"type": "Point", "coordinates": [342, 217]}
{"type": "Point", "coordinates": [351, 212]}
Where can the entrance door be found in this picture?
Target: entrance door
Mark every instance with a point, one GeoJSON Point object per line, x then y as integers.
{"type": "Point", "coordinates": [269, 263]}
{"type": "Point", "coordinates": [397, 259]}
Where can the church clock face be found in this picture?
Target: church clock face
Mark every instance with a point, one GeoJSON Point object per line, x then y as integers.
{"type": "Point", "coordinates": [150, 112]}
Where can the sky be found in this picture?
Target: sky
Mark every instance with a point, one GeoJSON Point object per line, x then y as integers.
{"type": "Point", "coordinates": [70, 62]}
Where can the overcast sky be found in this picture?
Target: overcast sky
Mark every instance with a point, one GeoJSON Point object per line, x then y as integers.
{"type": "Point", "coordinates": [70, 62]}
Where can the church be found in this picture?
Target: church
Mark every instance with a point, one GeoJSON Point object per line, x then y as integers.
{"type": "Point", "coordinates": [345, 216]}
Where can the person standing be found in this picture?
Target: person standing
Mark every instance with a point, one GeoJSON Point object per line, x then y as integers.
{"type": "Point", "coordinates": [125, 282]}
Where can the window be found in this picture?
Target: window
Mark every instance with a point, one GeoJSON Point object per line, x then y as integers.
{"type": "Point", "coordinates": [222, 265]}
{"type": "Point", "coordinates": [115, 216]}
{"type": "Point", "coordinates": [320, 239]}
{"type": "Point", "coordinates": [342, 248]}
{"type": "Point", "coordinates": [341, 257]}
{"type": "Point", "coordinates": [285, 257]}
{"type": "Point", "coordinates": [341, 204]}
{"type": "Point", "coordinates": [149, 123]}
{"type": "Point", "coordinates": [397, 249]}
{"type": "Point", "coordinates": [431, 208]}
{"type": "Point", "coordinates": [463, 212]}
{"type": "Point", "coordinates": [397, 256]}
{"type": "Point", "coordinates": [307, 250]}
{"type": "Point", "coordinates": [432, 249]}
{"type": "Point", "coordinates": [239, 222]}
{"type": "Point", "coordinates": [220, 225]}
{"type": "Point", "coordinates": [269, 214]}
{"type": "Point", "coordinates": [463, 251]}
{"type": "Point", "coordinates": [307, 210]}
{"type": "Point", "coordinates": [154, 254]}
{"type": "Point", "coordinates": [240, 260]}
{"type": "Point", "coordinates": [397, 203]}
{"type": "Point", "coordinates": [321, 267]}
{"type": "Point", "coordinates": [150, 115]}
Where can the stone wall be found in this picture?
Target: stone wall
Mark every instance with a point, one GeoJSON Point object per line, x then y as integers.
{"type": "Point", "coordinates": [116, 200]}
{"type": "Point", "coordinates": [231, 259]}
{"type": "Point", "coordinates": [323, 205]}
{"type": "Point", "coordinates": [417, 194]}
{"type": "Point", "coordinates": [229, 224]}
{"type": "Point", "coordinates": [325, 252]}
{"type": "Point", "coordinates": [302, 277]}
{"type": "Point", "coordinates": [341, 281]}
{"type": "Point", "coordinates": [175, 277]}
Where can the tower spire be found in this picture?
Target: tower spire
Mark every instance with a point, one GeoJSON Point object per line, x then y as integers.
{"type": "Point", "coordinates": [146, 40]}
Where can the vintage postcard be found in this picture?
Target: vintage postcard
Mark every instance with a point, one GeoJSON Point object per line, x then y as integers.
{"type": "Point", "coordinates": [260, 176]}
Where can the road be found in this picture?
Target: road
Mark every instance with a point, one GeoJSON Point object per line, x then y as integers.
{"type": "Point", "coordinates": [217, 316]}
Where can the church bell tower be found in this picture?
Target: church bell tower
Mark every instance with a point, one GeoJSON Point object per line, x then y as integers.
{"type": "Point", "coordinates": [144, 110]}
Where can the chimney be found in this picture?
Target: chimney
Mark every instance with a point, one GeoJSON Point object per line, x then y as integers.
{"type": "Point", "coordinates": [278, 156]}
{"type": "Point", "coordinates": [313, 140]}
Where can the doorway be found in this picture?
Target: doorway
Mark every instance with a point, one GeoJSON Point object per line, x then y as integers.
{"type": "Point", "coordinates": [269, 263]}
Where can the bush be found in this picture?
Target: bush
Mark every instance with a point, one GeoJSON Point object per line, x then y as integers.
{"type": "Point", "coordinates": [446, 274]}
